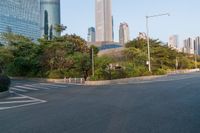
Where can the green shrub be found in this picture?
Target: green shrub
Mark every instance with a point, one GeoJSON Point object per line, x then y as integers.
{"type": "Point", "coordinates": [73, 73]}
{"type": "Point", "coordinates": [119, 74]}
{"type": "Point", "coordinates": [56, 74]}
{"type": "Point", "coordinates": [146, 73]}
{"type": "Point", "coordinates": [135, 71]}
{"type": "Point", "coordinates": [159, 72]}
{"type": "Point", "coordinates": [4, 83]}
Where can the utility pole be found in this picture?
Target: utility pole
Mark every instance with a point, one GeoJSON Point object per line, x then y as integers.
{"type": "Point", "coordinates": [177, 64]}
{"type": "Point", "coordinates": [195, 57]}
{"type": "Point", "coordinates": [148, 39]}
{"type": "Point", "coordinates": [92, 61]}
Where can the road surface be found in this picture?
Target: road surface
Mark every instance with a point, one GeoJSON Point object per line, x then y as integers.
{"type": "Point", "coordinates": [166, 105]}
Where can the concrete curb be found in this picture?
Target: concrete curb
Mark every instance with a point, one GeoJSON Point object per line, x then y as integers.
{"type": "Point", "coordinates": [110, 82]}
{"type": "Point", "coordinates": [183, 71]}
{"type": "Point", "coordinates": [4, 94]}
{"type": "Point", "coordinates": [123, 81]}
{"type": "Point", "coordinates": [138, 79]}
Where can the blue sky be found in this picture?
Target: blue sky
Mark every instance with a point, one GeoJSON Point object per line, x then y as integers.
{"type": "Point", "coordinates": [184, 21]}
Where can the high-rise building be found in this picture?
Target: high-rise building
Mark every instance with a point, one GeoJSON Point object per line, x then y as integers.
{"type": "Point", "coordinates": [142, 35]}
{"type": "Point", "coordinates": [173, 42]}
{"type": "Point", "coordinates": [113, 32]}
{"type": "Point", "coordinates": [20, 17]}
{"type": "Point", "coordinates": [91, 35]}
{"type": "Point", "coordinates": [197, 45]}
{"type": "Point", "coordinates": [189, 46]}
{"type": "Point", "coordinates": [104, 21]}
{"type": "Point", "coordinates": [124, 35]}
{"type": "Point", "coordinates": [50, 17]}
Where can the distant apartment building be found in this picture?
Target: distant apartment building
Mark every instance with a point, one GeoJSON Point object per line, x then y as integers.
{"type": "Point", "coordinates": [124, 35]}
{"type": "Point", "coordinates": [173, 42]}
{"type": "Point", "coordinates": [20, 17]}
{"type": "Point", "coordinates": [91, 35]}
{"type": "Point", "coordinates": [104, 21]}
{"type": "Point", "coordinates": [188, 46]}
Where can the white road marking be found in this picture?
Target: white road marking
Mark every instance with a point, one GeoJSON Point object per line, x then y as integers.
{"type": "Point", "coordinates": [14, 98]}
{"type": "Point", "coordinates": [24, 105]}
{"type": "Point", "coordinates": [29, 102]}
{"type": "Point", "coordinates": [27, 88]}
{"type": "Point", "coordinates": [13, 88]}
{"type": "Point", "coordinates": [37, 87]}
{"type": "Point", "coordinates": [55, 85]}
{"type": "Point", "coordinates": [24, 101]}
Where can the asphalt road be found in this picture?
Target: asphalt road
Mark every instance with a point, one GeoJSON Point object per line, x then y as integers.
{"type": "Point", "coordinates": [167, 105]}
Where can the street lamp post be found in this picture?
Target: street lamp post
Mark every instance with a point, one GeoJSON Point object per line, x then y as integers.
{"type": "Point", "coordinates": [148, 39]}
{"type": "Point", "coordinates": [92, 61]}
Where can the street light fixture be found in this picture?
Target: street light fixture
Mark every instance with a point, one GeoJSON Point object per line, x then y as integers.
{"type": "Point", "coordinates": [148, 40]}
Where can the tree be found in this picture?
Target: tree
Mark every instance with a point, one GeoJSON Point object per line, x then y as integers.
{"type": "Point", "coordinates": [60, 28]}
{"type": "Point", "coordinates": [136, 56]}
{"type": "Point", "coordinates": [55, 56]}
{"type": "Point", "coordinates": [6, 57]}
{"type": "Point", "coordinates": [79, 44]}
{"type": "Point", "coordinates": [13, 39]}
{"type": "Point", "coordinates": [82, 63]}
{"type": "Point", "coordinates": [96, 50]}
{"type": "Point", "coordinates": [102, 68]}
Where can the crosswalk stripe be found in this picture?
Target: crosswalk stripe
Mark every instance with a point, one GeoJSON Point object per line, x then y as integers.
{"type": "Point", "coordinates": [26, 88]}
{"type": "Point", "coordinates": [15, 98]}
{"type": "Point", "coordinates": [44, 86]}
{"type": "Point", "coordinates": [56, 85]}
{"type": "Point", "coordinates": [37, 87]}
{"type": "Point", "coordinates": [25, 101]}
{"type": "Point", "coordinates": [13, 88]}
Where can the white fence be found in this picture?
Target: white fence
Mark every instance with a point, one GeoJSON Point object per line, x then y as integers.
{"type": "Point", "coordinates": [74, 80]}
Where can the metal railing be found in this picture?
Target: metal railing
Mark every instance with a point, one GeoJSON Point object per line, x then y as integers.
{"type": "Point", "coordinates": [74, 80]}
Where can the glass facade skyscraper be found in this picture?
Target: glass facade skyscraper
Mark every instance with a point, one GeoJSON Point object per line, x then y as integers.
{"type": "Point", "coordinates": [91, 35]}
{"type": "Point", "coordinates": [104, 21]}
{"type": "Point", "coordinates": [20, 17]}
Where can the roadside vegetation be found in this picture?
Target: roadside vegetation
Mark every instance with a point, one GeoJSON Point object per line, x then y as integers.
{"type": "Point", "coordinates": [69, 56]}
{"type": "Point", "coordinates": [4, 83]}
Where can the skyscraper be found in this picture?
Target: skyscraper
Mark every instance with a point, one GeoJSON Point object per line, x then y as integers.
{"type": "Point", "coordinates": [189, 46]}
{"type": "Point", "coordinates": [104, 21]}
{"type": "Point", "coordinates": [20, 17]}
{"type": "Point", "coordinates": [124, 35]}
{"type": "Point", "coordinates": [197, 45]}
{"type": "Point", "coordinates": [173, 42]}
{"type": "Point", "coordinates": [91, 35]}
{"type": "Point", "coordinates": [50, 17]}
